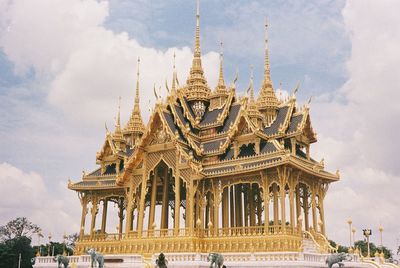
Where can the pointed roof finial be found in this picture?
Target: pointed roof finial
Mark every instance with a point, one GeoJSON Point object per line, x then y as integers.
{"type": "Point", "coordinates": [267, 99]}
{"type": "Point", "coordinates": [119, 113]}
{"type": "Point", "coordinates": [174, 76]}
{"type": "Point", "coordinates": [137, 99]}
{"type": "Point", "coordinates": [135, 122]}
{"type": "Point", "coordinates": [251, 84]}
{"type": "Point", "coordinates": [221, 82]}
{"type": "Point", "coordinates": [197, 84]}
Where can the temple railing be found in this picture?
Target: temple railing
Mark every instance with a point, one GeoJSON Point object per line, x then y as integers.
{"type": "Point", "coordinates": [236, 239]}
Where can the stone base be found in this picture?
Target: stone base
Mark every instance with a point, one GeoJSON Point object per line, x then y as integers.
{"type": "Point", "coordinates": [200, 260]}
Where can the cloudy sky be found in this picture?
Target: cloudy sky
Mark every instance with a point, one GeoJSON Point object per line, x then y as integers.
{"type": "Point", "coordinates": [63, 65]}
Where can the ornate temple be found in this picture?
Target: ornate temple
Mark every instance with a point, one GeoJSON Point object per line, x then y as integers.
{"type": "Point", "coordinates": [211, 172]}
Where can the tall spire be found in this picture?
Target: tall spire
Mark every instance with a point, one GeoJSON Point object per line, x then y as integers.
{"type": "Point", "coordinates": [251, 86]}
{"type": "Point", "coordinates": [197, 85]}
{"type": "Point", "coordinates": [136, 107]}
{"type": "Point", "coordinates": [267, 101]}
{"type": "Point", "coordinates": [174, 77]}
{"type": "Point", "coordinates": [221, 83]}
{"type": "Point", "coordinates": [118, 132]}
{"type": "Point", "coordinates": [251, 106]}
{"type": "Point", "coordinates": [135, 124]}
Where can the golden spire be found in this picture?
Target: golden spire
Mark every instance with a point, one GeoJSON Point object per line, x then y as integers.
{"type": "Point", "coordinates": [221, 83]}
{"type": "Point", "coordinates": [197, 84]}
{"type": "Point", "coordinates": [267, 99]}
{"type": "Point", "coordinates": [135, 124]}
{"type": "Point", "coordinates": [118, 133]}
{"type": "Point", "coordinates": [251, 86]}
{"type": "Point", "coordinates": [252, 107]}
{"type": "Point", "coordinates": [174, 77]}
{"type": "Point", "coordinates": [136, 107]}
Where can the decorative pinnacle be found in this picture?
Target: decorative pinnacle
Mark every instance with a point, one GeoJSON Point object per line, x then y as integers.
{"type": "Point", "coordinates": [137, 99]}
{"type": "Point", "coordinates": [221, 82]}
{"type": "Point", "coordinates": [197, 52]}
{"type": "Point", "coordinates": [267, 72]}
{"type": "Point", "coordinates": [251, 84]}
{"type": "Point", "coordinates": [174, 76]}
{"type": "Point", "coordinates": [118, 123]}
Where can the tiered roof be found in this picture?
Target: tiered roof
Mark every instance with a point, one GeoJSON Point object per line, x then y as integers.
{"type": "Point", "coordinates": [231, 137]}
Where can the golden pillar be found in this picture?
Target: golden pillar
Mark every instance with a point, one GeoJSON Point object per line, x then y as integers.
{"type": "Point", "coordinates": [121, 215]}
{"type": "Point", "coordinates": [259, 205]}
{"type": "Point", "coordinates": [225, 217]}
{"type": "Point", "coordinates": [322, 214]}
{"type": "Point", "coordinates": [177, 202]}
{"type": "Point", "coordinates": [246, 208]}
{"type": "Point", "coordinates": [314, 210]}
{"type": "Point", "coordinates": [238, 206]}
{"type": "Point", "coordinates": [104, 216]}
{"type": "Point", "coordinates": [305, 207]}
{"type": "Point", "coordinates": [217, 202]}
{"type": "Point", "coordinates": [291, 201]}
{"type": "Point", "coordinates": [94, 211]}
{"type": "Point", "coordinates": [84, 203]}
{"type": "Point", "coordinates": [298, 205]}
{"type": "Point", "coordinates": [142, 199]}
{"type": "Point", "coordinates": [189, 207]}
{"type": "Point", "coordinates": [282, 195]}
{"type": "Point", "coordinates": [232, 206]}
{"type": "Point", "coordinates": [165, 201]}
{"type": "Point", "coordinates": [266, 205]}
{"type": "Point", "coordinates": [208, 204]}
{"type": "Point", "coordinates": [275, 196]}
{"type": "Point", "coordinates": [153, 200]}
{"type": "Point", "coordinates": [251, 206]}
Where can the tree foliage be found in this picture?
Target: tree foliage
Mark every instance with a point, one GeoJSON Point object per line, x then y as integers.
{"type": "Point", "coordinates": [363, 246]}
{"type": "Point", "coordinates": [19, 227]}
{"type": "Point", "coordinates": [10, 250]}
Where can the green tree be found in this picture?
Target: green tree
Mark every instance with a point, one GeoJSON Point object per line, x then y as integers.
{"type": "Point", "coordinates": [10, 250]}
{"type": "Point", "coordinates": [19, 227]}
{"type": "Point", "coordinates": [363, 246]}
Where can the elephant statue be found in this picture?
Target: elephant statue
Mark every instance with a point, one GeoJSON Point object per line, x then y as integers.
{"type": "Point", "coordinates": [60, 259]}
{"type": "Point", "coordinates": [337, 258]}
{"type": "Point", "coordinates": [216, 259]}
{"type": "Point", "coordinates": [96, 258]}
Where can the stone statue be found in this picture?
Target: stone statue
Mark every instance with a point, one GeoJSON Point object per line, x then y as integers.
{"type": "Point", "coordinates": [216, 259]}
{"type": "Point", "coordinates": [60, 259]}
{"type": "Point", "coordinates": [337, 258]}
{"type": "Point", "coordinates": [161, 262]}
{"type": "Point", "coordinates": [96, 258]}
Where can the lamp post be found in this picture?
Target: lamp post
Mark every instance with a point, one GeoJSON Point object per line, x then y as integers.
{"type": "Point", "coordinates": [367, 233]}
{"type": "Point", "coordinates": [380, 234]}
{"type": "Point", "coordinates": [65, 245]}
{"type": "Point", "coordinates": [353, 230]}
{"type": "Point", "coordinates": [350, 222]}
{"type": "Point", "coordinates": [48, 250]}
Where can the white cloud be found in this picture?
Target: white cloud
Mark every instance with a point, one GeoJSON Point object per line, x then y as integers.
{"type": "Point", "coordinates": [25, 194]}
{"type": "Point", "coordinates": [358, 125]}
{"type": "Point", "coordinates": [87, 66]}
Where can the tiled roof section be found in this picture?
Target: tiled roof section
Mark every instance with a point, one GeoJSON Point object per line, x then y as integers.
{"type": "Point", "coordinates": [273, 129]}
{"type": "Point", "coordinates": [294, 123]}
{"type": "Point", "coordinates": [96, 172]}
{"type": "Point", "coordinates": [247, 150]}
{"type": "Point", "coordinates": [189, 108]}
{"type": "Point", "coordinates": [179, 111]}
{"type": "Point", "coordinates": [260, 163]}
{"type": "Point", "coordinates": [228, 154]}
{"type": "Point", "coordinates": [129, 150]}
{"type": "Point", "coordinates": [172, 126]}
{"type": "Point", "coordinates": [100, 183]}
{"type": "Point", "coordinates": [233, 113]}
{"type": "Point", "coordinates": [220, 169]}
{"type": "Point", "coordinates": [267, 147]}
{"type": "Point", "coordinates": [210, 117]}
{"type": "Point", "coordinates": [213, 145]}
{"type": "Point", "coordinates": [110, 169]}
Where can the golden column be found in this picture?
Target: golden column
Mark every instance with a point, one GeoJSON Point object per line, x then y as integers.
{"type": "Point", "coordinates": [142, 199]}
{"type": "Point", "coordinates": [322, 213]}
{"type": "Point", "coordinates": [232, 206]}
{"type": "Point", "coordinates": [266, 203]}
{"type": "Point", "coordinates": [305, 207]}
{"type": "Point", "coordinates": [153, 200]}
{"type": "Point", "coordinates": [165, 201]}
{"type": "Point", "coordinates": [298, 204]}
{"type": "Point", "coordinates": [177, 202]}
{"type": "Point", "coordinates": [84, 203]}
{"type": "Point", "coordinates": [252, 211]}
{"type": "Point", "coordinates": [291, 201]}
{"type": "Point", "coordinates": [314, 209]}
{"type": "Point", "coordinates": [225, 211]}
{"type": "Point", "coordinates": [104, 216]}
{"type": "Point", "coordinates": [275, 196]}
{"type": "Point", "coordinates": [94, 211]}
{"type": "Point", "coordinates": [217, 202]}
{"type": "Point", "coordinates": [121, 215]}
{"type": "Point", "coordinates": [282, 195]}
